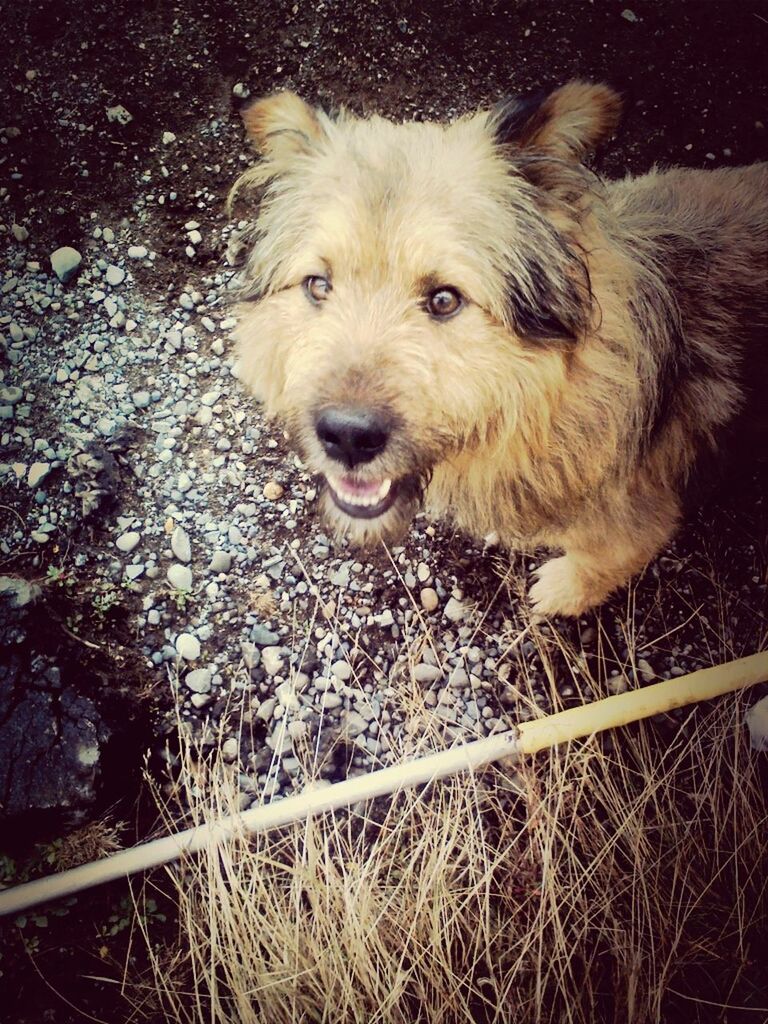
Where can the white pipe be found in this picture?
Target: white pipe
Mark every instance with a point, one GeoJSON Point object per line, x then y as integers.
{"type": "Point", "coordinates": [528, 738]}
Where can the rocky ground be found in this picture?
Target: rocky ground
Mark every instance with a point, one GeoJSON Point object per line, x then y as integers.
{"type": "Point", "coordinates": [162, 560]}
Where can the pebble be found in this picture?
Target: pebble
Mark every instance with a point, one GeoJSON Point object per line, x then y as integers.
{"type": "Point", "coordinates": [455, 611]}
{"type": "Point", "coordinates": [272, 660]}
{"type": "Point", "coordinates": [329, 700]}
{"type": "Point", "coordinates": [230, 749]}
{"type": "Point", "coordinates": [342, 670]}
{"type": "Point", "coordinates": [221, 561]}
{"type": "Point", "coordinates": [180, 577]}
{"type": "Point", "coordinates": [264, 637]}
{"type": "Point", "coordinates": [20, 233]}
{"type": "Point", "coordinates": [199, 679]}
{"type": "Point", "coordinates": [141, 399]}
{"type": "Point", "coordinates": [430, 600]}
{"type": "Point", "coordinates": [427, 673]}
{"type": "Point", "coordinates": [286, 695]}
{"type": "Point", "coordinates": [180, 545]}
{"type": "Point", "coordinates": [272, 490]}
{"type": "Point", "coordinates": [137, 252]}
{"type": "Point", "coordinates": [266, 709]}
{"type": "Point", "coordinates": [168, 138]}
{"type": "Point", "coordinates": [11, 395]}
{"type": "Point", "coordinates": [38, 471]}
{"type": "Point", "coordinates": [115, 275]}
{"type": "Point", "coordinates": [65, 263]}
{"type": "Point", "coordinates": [188, 646]}
{"type": "Point", "coordinates": [126, 542]}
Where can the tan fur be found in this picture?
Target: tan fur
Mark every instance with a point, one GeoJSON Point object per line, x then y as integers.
{"type": "Point", "coordinates": [577, 430]}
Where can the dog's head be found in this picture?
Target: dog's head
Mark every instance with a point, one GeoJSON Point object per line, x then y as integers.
{"type": "Point", "coordinates": [414, 290]}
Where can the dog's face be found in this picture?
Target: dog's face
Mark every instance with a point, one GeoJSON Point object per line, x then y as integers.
{"type": "Point", "coordinates": [413, 292]}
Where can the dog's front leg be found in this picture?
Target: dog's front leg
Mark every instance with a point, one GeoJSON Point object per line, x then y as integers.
{"type": "Point", "coordinates": [603, 556]}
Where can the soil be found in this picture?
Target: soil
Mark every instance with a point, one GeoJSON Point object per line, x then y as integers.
{"type": "Point", "coordinates": [696, 94]}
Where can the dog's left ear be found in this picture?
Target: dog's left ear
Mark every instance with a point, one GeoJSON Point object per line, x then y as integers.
{"type": "Point", "coordinates": [566, 124]}
{"type": "Point", "coordinates": [282, 126]}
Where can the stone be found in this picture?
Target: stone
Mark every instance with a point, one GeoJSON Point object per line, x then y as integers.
{"type": "Point", "coordinates": [115, 276]}
{"type": "Point", "coordinates": [119, 113]}
{"type": "Point", "coordinates": [168, 138]}
{"type": "Point", "coordinates": [458, 679]}
{"type": "Point", "coordinates": [264, 637]}
{"type": "Point", "coordinates": [65, 263]}
{"type": "Point", "coordinates": [137, 252]}
{"type": "Point", "coordinates": [352, 725]}
{"type": "Point", "coordinates": [11, 395]}
{"type": "Point", "coordinates": [19, 592]}
{"type": "Point", "coordinates": [20, 233]}
{"type": "Point", "coordinates": [126, 542]}
{"type": "Point", "coordinates": [429, 599]}
{"type": "Point", "coordinates": [221, 561]}
{"type": "Point", "coordinates": [331, 700]}
{"type": "Point", "coordinates": [427, 673]}
{"type": "Point", "coordinates": [272, 660]}
{"type": "Point", "coordinates": [141, 399]}
{"type": "Point", "coordinates": [272, 490]}
{"type": "Point", "coordinates": [199, 680]}
{"type": "Point", "coordinates": [286, 694]}
{"type": "Point", "coordinates": [180, 577]}
{"type": "Point", "coordinates": [180, 545]}
{"type": "Point", "coordinates": [38, 471]}
{"type": "Point", "coordinates": [188, 646]}
{"type": "Point", "coordinates": [342, 670]}
{"type": "Point", "coordinates": [455, 610]}
{"type": "Point", "coordinates": [266, 709]}
{"type": "Point", "coordinates": [230, 749]}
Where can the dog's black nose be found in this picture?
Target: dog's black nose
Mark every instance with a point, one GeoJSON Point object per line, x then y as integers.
{"type": "Point", "coordinates": [352, 435]}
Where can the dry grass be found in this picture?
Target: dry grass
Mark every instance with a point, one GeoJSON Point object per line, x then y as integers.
{"type": "Point", "coordinates": [613, 880]}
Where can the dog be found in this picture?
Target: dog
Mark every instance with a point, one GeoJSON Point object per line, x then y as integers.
{"type": "Point", "coordinates": [464, 315]}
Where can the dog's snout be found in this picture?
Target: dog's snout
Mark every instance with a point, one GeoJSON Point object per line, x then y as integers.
{"type": "Point", "coordinates": [352, 435]}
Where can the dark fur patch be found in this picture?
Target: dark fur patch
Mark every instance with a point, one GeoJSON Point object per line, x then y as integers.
{"type": "Point", "coordinates": [511, 115]}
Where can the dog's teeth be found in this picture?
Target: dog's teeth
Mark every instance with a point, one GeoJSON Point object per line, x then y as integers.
{"type": "Point", "coordinates": [384, 489]}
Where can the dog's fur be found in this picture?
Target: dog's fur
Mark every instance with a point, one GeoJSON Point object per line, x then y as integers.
{"type": "Point", "coordinates": [608, 336]}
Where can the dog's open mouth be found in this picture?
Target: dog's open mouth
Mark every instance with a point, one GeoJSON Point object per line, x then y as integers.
{"type": "Point", "coordinates": [363, 499]}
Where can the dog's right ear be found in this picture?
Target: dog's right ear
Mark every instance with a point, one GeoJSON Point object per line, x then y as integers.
{"type": "Point", "coordinates": [282, 126]}
{"type": "Point", "coordinates": [566, 124]}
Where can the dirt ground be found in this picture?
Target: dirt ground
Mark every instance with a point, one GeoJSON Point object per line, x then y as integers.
{"type": "Point", "coordinates": [693, 79]}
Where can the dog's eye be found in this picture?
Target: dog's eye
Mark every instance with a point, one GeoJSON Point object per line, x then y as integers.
{"type": "Point", "coordinates": [317, 289]}
{"type": "Point", "coordinates": [444, 302]}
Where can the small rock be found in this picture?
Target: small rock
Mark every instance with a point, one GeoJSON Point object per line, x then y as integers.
{"type": "Point", "coordinates": [199, 680]}
{"type": "Point", "coordinates": [353, 724]}
{"type": "Point", "coordinates": [264, 637]}
{"type": "Point", "coordinates": [188, 646]}
{"type": "Point", "coordinates": [65, 263]}
{"type": "Point", "coordinates": [210, 398]}
{"type": "Point", "coordinates": [221, 561]}
{"type": "Point", "coordinates": [331, 700]}
{"type": "Point", "coordinates": [126, 542]}
{"type": "Point", "coordinates": [266, 709]}
{"type": "Point", "coordinates": [115, 276]}
{"type": "Point", "coordinates": [427, 673]}
{"type": "Point", "coordinates": [286, 694]}
{"type": "Point", "coordinates": [168, 138]}
{"type": "Point", "coordinates": [180, 577]}
{"type": "Point", "coordinates": [241, 91]}
{"type": "Point", "coordinates": [120, 114]}
{"type": "Point", "coordinates": [20, 233]}
{"type": "Point", "coordinates": [629, 15]}
{"type": "Point", "coordinates": [137, 252]}
{"type": "Point", "coordinates": [430, 600]}
{"type": "Point", "coordinates": [455, 611]}
{"type": "Point", "coordinates": [141, 399]}
{"type": "Point", "coordinates": [342, 670]}
{"type": "Point", "coordinates": [180, 545]}
{"type": "Point", "coordinates": [297, 730]}
{"type": "Point", "coordinates": [19, 592]}
{"type": "Point", "coordinates": [272, 660]}
{"type": "Point", "coordinates": [458, 679]}
{"type": "Point", "coordinates": [230, 749]}
{"type": "Point", "coordinates": [11, 395]}
{"type": "Point", "coordinates": [272, 490]}
{"type": "Point", "coordinates": [38, 471]}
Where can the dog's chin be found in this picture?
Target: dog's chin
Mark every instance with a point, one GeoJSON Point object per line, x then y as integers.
{"type": "Point", "coordinates": [367, 512]}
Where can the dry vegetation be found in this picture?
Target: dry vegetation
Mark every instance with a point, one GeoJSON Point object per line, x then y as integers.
{"type": "Point", "coordinates": [619, 879]}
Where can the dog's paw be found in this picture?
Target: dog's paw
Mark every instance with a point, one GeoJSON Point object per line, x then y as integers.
{"type": "Point", "coordinates": [562, 588]}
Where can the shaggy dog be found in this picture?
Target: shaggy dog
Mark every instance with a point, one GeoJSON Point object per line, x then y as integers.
{"type": "Point", "coordinates": [463, 314]}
